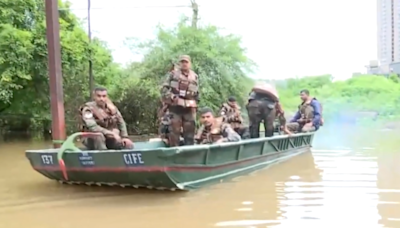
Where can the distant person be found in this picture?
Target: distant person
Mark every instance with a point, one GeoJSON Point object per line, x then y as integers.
{"type": "Point", "coordinates": [102, 116]}
{"type": "Point", "coordinates": [214, 130]}
{"type": "Point", "coordinates": [308, 117]}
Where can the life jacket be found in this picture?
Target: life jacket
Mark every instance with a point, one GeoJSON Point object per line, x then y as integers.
{"type": "Point", "coordinates": [106, 118]}
{"type": "Point", "coordinates": [307, 111]}
{"type": "Point", "coordinates": [268, 90]}
{"type": "Point", "coordinates": [231, 111]}
{"type": "Point", "coordinates": [211, 135]}
{"type": "Point", "coordinates": [185, 87]}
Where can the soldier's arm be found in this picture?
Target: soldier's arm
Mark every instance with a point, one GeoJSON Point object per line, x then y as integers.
{"type": "Point", "coordinates": [229, 134]}
{"type": "Point", "coordinates": [166, 86]}
{"type": "Point", "coordinates": [122, 125]}
{"type": "Point", "coordinates": [295, 117]}
{"type": "Point", "coordinates": [198, 136]}
{"type": "Point", "coordinates": [90, 122]}
{"type": "Point", "coordinates": [222, 112]}
{"type": "Point", "coordinates": [197, 96]}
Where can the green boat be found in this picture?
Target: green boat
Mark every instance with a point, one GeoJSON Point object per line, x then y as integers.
{"type": "Point", "coordinates": [154, 165]}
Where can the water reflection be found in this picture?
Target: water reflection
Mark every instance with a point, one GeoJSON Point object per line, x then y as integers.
{"type": "Point", "coordinates": [270, 202]}
{"type": "Point", "coordinates": [389, 187]}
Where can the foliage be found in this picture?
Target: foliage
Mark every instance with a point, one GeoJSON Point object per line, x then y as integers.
{"type": "Point", "coordinates": [24, 88]}
{"type": "Point", "coordinates": [363, 93]}
{"type": "Point", "coordinates": [219, 61]}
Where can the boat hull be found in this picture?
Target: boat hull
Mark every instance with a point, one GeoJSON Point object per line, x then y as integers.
{"type": "Point", "coordinates": [158, 167]}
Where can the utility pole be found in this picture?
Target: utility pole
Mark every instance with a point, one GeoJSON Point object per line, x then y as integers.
{"type": "Point", "coordinates": [195, 16]}
{"type": "Point", "coordinates": [55, 73]}
{"type": "Point", "coordinates": [91, 78]}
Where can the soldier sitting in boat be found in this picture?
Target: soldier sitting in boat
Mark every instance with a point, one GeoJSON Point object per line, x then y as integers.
{"type": "Point", "coordinates": [308, 117]}
{"type": "Point", "coordinates": [214, 130]}
{"type": "Point", "coordinates": [102, 116]}
{"type": "Point", "coordinates": [280, 114]}
{"type": "Point", "coordinates": [230, 112]}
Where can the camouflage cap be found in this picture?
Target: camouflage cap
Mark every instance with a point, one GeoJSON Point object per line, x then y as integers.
{"type": "Point", "coordinates": [184, 58]}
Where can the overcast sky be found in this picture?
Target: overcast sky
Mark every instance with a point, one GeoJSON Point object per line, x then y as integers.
{"type": "Point", "coordinates": [286, 38]}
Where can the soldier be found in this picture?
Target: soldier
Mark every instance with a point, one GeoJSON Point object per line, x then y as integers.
{"type": "Point", "coordinates": [180, 92]}
{"type": "Point", "coordinates": [214, 130]}
{"type": "Point", "coordinates": [230, 112]}
{"type": "Point", "coordinates": [261, 108]}
{"type": "Point", "coordinates": [308, 118]}
{"type": "Point", "coordinates": [281, 118]}
{"type": "Point", "coordinates": [102, 116]}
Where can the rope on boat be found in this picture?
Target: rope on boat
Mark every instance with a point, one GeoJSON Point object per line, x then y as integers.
{"type": "Point", "coordinates": [69, 145]}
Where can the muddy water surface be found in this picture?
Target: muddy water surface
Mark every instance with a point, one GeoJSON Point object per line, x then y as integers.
{"type": "Point", "coordinates": [350, 179]}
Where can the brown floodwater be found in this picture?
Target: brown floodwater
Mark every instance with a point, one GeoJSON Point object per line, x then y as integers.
{"type": "Point", "coordinates": [350, 179]}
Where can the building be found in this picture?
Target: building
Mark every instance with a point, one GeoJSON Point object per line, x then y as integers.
{"type": "Point", "coordinates": [388, 21]}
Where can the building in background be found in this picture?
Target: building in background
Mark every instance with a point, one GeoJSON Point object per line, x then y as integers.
{"type": "Point", "coordinates": [373, 67]}
{"type": "Point", "coordinates": [388, 27]}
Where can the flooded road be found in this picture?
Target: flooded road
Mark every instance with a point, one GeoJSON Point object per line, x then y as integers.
{"type": "Point", "coordinates": [349, 180]}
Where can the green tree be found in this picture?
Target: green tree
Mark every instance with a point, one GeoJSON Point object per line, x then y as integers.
{"type": "Point", "coordinates": [24, 87]}
{"type": "Point", "coordinates": [219, 60]}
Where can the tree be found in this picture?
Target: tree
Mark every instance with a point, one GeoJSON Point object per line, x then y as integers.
{"type": "Point", "coordinates": [219, 60]}
{"type": "Point", "coordinates": [24, 87]}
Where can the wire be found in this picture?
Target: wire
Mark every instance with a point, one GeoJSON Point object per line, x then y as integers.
{"type": "Point", "coordinates": [129, 7]}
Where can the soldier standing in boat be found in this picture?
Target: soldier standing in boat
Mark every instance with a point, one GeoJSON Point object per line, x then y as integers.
{"type": "Point", "coordinates": [261, 108]}
{"type": "Point", "coordinates": [230, 112]}
{"type": "Point", "coordinates": [180, 92]}
{"type": "Point", "coordinates": [308, 117]}
{"type": "Point", "coordinates": [214, 130]}
{"type": "Point", "coordinates": [102, 116]}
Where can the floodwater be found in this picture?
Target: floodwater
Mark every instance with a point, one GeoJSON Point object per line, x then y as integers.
{"type": "Point", "coordinates": [351, 179]}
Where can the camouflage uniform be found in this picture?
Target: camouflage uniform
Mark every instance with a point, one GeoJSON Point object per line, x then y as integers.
{"type": "Point", "coordinates": [165, 123]}
{"type": "Point", "coordinates": [232, 116]}
{"type": "Point", "coordinates": [219, 130]}
{"type": "Point", "coordinates": [261, 108]}
{"type": "Point", "coordinates": [180, 93]}
{"type": "Point", "coordinates": [307, 115]}
{"type": "Point", "coordinates": [107, 121]}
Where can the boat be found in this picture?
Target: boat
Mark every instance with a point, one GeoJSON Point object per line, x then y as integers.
{"type": "Point", "coordinates": [154, 165]}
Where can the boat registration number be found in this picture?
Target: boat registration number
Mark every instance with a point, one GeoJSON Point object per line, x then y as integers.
{"type": "Point", "coordinates": [47, 159]}
{"type": "Point", "coordinates": [133, 159]}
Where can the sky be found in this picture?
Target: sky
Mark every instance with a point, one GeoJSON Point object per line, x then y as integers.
{"type": "Point", "coordinates": [286, 38]}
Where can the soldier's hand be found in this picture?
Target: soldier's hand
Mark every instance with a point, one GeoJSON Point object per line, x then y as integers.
{"type": "Point", "coordinates": [128, 143]}
{"type": "Point", "coordinates": [174, 98]}
{"type": "Point", "coordinates": [308, 124]}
